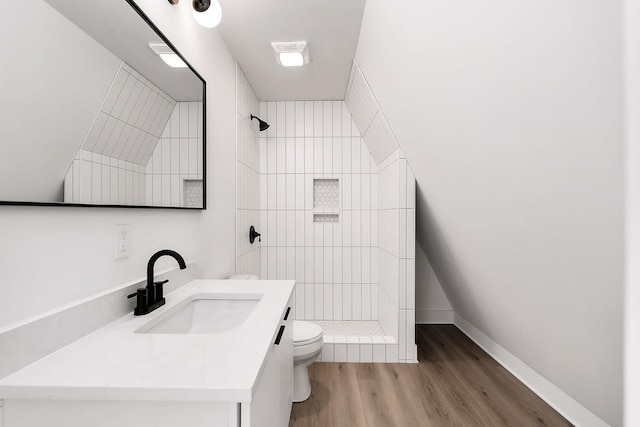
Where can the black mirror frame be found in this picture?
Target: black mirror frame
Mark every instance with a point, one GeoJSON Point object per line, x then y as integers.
{"type": "Point", "coordinates": [146, 19]}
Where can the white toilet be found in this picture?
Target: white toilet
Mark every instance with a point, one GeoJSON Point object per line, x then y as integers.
{"type": "Point", "coordinates": [307, 345]}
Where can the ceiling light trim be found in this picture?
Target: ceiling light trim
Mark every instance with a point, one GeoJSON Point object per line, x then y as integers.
{"type": "Point", "coordinates": [291, 54]}
{"type": "Point", "coordinates": [167, 55]}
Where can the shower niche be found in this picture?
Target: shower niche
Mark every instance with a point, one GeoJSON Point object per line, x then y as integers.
{"type": "Point", "coordinates": [326, 200]}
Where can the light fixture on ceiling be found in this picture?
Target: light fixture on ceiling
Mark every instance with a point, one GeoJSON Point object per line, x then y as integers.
{"type": "Point", "coordinates": [291, 54]}
{"type": "Point", "coordinates": [207, 13]}
{"type": "Point", "coordinates": [167, 55]}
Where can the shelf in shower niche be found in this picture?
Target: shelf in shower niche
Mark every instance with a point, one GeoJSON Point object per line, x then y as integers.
{"type": "Point", "coordinates": [326, 217]}
{"type": "Point", "coordinates": [327, 211]}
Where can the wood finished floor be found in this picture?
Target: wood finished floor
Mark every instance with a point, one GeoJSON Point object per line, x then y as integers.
{"type": "Point", "coordinates": [455, 383]}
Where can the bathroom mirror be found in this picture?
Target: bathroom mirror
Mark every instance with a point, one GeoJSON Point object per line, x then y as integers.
{"type": "Point", "coordinates": [91, 113]}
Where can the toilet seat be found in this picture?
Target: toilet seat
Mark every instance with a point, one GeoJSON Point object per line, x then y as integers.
{"type": "Point", "coordinates": [303, 351]}
{"type": "Point", "coordinates": [305, 333]}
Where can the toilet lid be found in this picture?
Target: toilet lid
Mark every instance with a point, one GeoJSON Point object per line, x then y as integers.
{"type": "Point", "coordinates": [305, 332]}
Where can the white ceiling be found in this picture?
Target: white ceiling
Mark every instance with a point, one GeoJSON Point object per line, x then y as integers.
{"type": "Point", "coordinates": [117, 27]}
{"type": "Point", "coordinates": [331, 27]}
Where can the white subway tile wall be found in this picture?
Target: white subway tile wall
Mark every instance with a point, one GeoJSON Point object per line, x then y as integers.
{"type": "Point", "coordinates": [330, 260]}
{"type": "Point", "coordinates": [248, 179]}
{"type": "Point", "coordinates": [380, 139]}
{"type": "Point", "coordinates": [360, 99]}
{"type": "Point", "coordinates": [369, 117]}
{"type": "Point", "coordinates": [395, 223]}
{"type": "Point", "coordinates": [97, 179]}
{"type": "Point", "coordinates": [131, 118]}
{"type": "Point", "coordinates": [177, 157]}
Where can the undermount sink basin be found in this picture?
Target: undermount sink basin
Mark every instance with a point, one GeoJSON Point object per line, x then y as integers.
{"type": "Point", "coordinates": [204, 314]}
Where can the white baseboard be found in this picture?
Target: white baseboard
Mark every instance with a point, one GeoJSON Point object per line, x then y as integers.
{"type": "Point", "coordinates": [568, 407]}
{"type": "Point", "coordinates": [425, 317]}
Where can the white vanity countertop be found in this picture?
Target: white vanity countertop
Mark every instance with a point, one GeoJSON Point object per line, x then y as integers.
{"type": "Point", "coordinates": [115, 363]}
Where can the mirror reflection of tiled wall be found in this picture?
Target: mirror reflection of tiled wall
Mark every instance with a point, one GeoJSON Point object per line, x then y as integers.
{"type": "Point", "coordinates": [140, 149]}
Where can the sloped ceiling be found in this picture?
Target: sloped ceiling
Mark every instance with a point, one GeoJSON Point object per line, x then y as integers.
{"type": "Point", "coordinates": [368, 117]}
{"type": "Point", "coordinates": [131, 119]}
{"type": "Point", "coordinates": [510, 116]}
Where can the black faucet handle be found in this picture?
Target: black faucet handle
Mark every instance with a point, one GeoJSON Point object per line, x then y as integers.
{"type": "Point", "coordinates": [141, 301]}
{"type": "Point", "coordinates": [160, 290]}
{"type": "Point", "coordinates": [138, 291]}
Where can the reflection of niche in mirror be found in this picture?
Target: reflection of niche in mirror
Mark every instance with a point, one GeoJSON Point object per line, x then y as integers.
{"type": "Point", "coordinates": [193, 193]}
{"type": "Point", "coordinates": [141, 146]}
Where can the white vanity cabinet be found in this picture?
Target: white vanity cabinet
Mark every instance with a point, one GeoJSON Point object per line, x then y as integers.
{"type": "Point", "coordinates": [273, 396]}
{"type": "Point", "coordinates": [123, 376]}
{"type": "Point", "coordinates": [113, 413]}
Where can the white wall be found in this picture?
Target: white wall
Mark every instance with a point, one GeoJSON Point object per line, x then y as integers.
{"type": "Point", "coordinates": [632, 289]}
{"type": "Point", "coordinates": [511, 115]}
{"type": "Point", "coordinates": [54, 256]}
{"type": "Point", "coordinates": [208, 54]}
{"type": "Point", "coordinates": [432, 304]}
{"type": "Point", "coordinates": [248, 177]}
{"type": "Point", "coordinates": [37, 148]}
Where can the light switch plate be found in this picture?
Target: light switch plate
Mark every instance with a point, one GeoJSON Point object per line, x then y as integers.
{"type": "Point", "coordinates": [123, 241]}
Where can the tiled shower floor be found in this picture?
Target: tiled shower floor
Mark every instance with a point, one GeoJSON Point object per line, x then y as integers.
{"type": "Point", "coordinates": [356, 341]}
{"type": "Point", "coordinates": [351, 327]}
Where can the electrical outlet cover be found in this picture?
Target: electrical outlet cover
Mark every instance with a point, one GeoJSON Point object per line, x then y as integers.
{"type": "Point", "coordinates": [123, 241]}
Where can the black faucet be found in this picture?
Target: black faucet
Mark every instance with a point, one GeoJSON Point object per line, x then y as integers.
{"type": "Point", "coordinates": [151, 297]}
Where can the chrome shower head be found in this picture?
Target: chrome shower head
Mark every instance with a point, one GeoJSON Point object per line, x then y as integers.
{"type": "Point", "coordinates": [263, 125]}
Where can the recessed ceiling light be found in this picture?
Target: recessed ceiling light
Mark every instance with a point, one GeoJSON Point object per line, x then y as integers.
{"type": "Point", "coordinates": [167, 55]}
{"type": "Point", "coordinates": [291, 59]}
{"type": "Point", "coordinates": [291, 54]}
